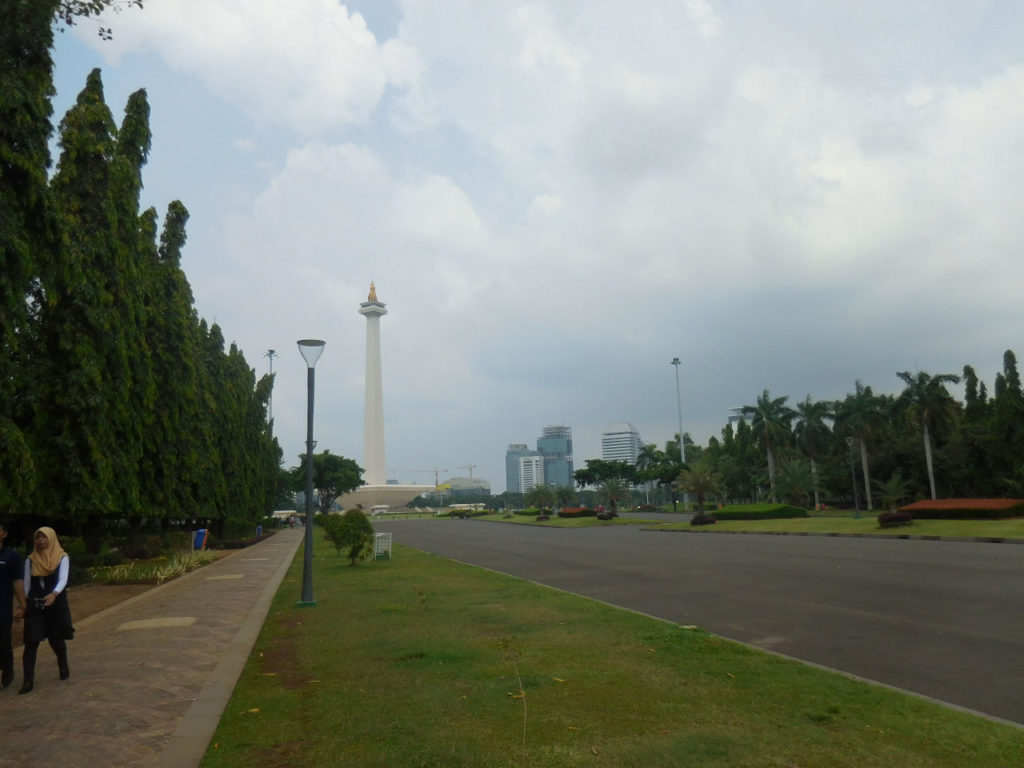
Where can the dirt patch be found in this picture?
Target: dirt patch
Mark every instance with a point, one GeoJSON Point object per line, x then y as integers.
{"type": "Point", "coordinates": [87, 599]}
{"type": "Point", "coordinates": [281, 658]}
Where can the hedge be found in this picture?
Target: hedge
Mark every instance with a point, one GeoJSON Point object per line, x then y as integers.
{"type": "Point", "coordinates": [964, 509]}
{"type": "Point", "coordinates": [759, 512]}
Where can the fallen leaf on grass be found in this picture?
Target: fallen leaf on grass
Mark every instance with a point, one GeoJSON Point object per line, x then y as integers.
{"type": "Point", "coordinates": [252, 711]}
{"type": "Point", "coordinates": [558, 679]}
{"type": "Point", "coordinates": [730, 674]}
{"type": "Point", "coordinates": [594, 750]}
{"type": "Point", "coordinates": [520, 695]}
{"type": "Point", "coordinates": [270, 674]}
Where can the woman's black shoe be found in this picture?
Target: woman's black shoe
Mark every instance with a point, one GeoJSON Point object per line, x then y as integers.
{"type": "Point", "coordinates": [65, 673]}
{"type": "Point", "coordinates": [26, 688]}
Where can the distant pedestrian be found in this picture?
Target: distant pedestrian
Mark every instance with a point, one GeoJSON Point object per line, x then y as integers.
{"type": "Point", "coordinates": [11, 587]}
{"type": "Point", "coordinates": [48, 615]}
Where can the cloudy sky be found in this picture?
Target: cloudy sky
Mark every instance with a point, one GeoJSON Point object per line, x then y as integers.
{"type": "Point", "coordinates": [556, 198]}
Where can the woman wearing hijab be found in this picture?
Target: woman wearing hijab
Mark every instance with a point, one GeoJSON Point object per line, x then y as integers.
{"type": "Point", "coordinates": [48, 615]}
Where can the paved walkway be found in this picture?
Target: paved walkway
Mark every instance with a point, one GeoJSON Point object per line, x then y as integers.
{"type": "Point", "coordinates": [150, 676]}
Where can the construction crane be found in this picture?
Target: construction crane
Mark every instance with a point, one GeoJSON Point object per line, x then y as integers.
{"type": "Point", "coordinates": [470, 467]}
{"type": "Point", "coordinates": [435, 470]}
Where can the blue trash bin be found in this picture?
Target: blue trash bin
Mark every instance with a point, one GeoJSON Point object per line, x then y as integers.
{"type": "Point", "coordinates": [259, 531]}
{"type": "Point", "coordinates": [200, 539]}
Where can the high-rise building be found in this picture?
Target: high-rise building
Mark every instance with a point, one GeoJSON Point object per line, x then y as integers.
{"type": "Point", "coordinates": [555, 446]}
{"type": "Point", "coordinates": [620, 442]}
{"type": "Point", "coordinates": [531, 472]}
{"type": "Point", "coordinates": [514, 467]}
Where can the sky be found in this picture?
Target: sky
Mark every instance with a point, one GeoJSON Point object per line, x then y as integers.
{"type": "Point", "coordinates": [555, 199]}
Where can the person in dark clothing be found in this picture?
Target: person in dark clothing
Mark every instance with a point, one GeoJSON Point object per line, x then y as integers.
{"type": "Point", "coordinates": [11, 588]}
{"type": "Point", "coordinates": [48, 615]}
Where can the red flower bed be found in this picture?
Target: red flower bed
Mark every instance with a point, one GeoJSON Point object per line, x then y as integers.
{"type": "Point", "coordinates": [577, 512]}
{"type": "Point", "coordinates": [965, 508]}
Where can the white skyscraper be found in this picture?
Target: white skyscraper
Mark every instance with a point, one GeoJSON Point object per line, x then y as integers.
{"type": "Point", "coordinates": [620, 442]}
{"type": "Point", "coordinates": [374, 459]}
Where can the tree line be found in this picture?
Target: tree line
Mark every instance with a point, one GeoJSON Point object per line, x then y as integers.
{"type": "Point", "coordinates": [921, 443]}
{"type": "Point", "coordinates": [117, 401]}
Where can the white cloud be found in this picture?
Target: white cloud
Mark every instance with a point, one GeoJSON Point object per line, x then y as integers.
{"type": "Point", "coordinates": [308, 64]}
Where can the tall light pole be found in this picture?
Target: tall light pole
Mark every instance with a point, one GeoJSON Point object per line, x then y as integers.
{"type": "Point", "coordinates": [270, 354]}
{"type": "Point", "coordinates": [310, 350]}
{"type": "Point", "coordinates": [682, 443]}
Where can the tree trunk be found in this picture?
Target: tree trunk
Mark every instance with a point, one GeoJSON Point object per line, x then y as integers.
{"type": "Point", "coordinates": [928, 459]}
{"type": "Point", "coordinates": [867, 474]}
{"type": "Point", "coordinates": [814, 474]}
{"type": "Point", "coordinates": [771, 474]}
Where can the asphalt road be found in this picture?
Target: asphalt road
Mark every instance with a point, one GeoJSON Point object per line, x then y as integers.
{"type": "Point", "coordinates": [941, 618]}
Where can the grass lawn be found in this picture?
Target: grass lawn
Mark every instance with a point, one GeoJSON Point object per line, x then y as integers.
{"type": "Point", "coordinates": [421, 661]}
{"type": "Point", "coordinates": [1012, 528]}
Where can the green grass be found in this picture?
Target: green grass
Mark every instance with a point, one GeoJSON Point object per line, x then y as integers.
{"type": "Point", "coordinates": [1012, 528]}
{"type": "Point", "coordinates": [421, 661]}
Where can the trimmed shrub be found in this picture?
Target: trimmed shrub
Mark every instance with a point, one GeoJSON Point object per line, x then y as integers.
{"type": "Point", "coordinates": [647, 508]}
{"type": "Point", "coordinates": [965, 509]}
{"type": "Point", "coordinates": [760, 512]}
{"type": "Point", "coordinates": [530, 512]}
{"type": "Point", "coordinates": [703, 519]}
{"type": "Point", "coordinates": [577, 512]}
{"type": "Point", "coordinates": [895, 519]}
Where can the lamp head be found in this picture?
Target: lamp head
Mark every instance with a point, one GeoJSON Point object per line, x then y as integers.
{"type": "Point", "coordinates": [311, 350]}
{"type": "Point", "coordinates": [675, 361]}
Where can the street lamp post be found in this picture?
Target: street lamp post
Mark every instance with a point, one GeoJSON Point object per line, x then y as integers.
{"type": "Point", "coordinates": [682, 443]}
{"type": "Point", "coordinates": [310, 350]}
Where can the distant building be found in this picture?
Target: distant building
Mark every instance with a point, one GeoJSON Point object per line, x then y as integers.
{"type": "Point", "coordinates": [468, 486]}
{"type": "Point", "coordinates": [514, 457]}
{"type": "Point", "coordinates": [621, 442]}
{"type": "Point", "coordinates": [531, 472]}
{"type": "Point", "coordinates": [555, 446]}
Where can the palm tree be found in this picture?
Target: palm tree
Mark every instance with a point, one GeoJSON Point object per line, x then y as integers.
{"type": "Point", "coordinates": [770, 420]}
{"type": "Point", "coordinates": [612, 491]}
{"type": "Point", "coordinates": [928, 402]}
{"type": "Point", "coordinates": [858, 415]}
{"type": "Point", "coordinates": [700, 480]}
{"type": "Point", "coordinates": [893, 491]}
{"type": "Point", "coordinates": [565, 495]}
{"type": "Point", "coordinates": [812, 432]}
{"type": "Point", "coordinates": [540, 496]}
{"type": "Point", "coordinates": [796, 481]}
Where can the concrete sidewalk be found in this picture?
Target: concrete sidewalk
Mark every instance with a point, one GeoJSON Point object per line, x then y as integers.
{"type": "Point", "coordinates": [150, 676]}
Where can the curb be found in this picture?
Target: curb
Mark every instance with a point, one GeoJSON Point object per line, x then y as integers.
{"type": "Point", "coordinates": [904, 536]}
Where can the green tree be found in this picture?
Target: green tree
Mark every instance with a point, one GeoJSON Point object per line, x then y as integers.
{"type": "Point", "coordinates": [796, 481]}
{"type": "Point", "coordinates": [611, 491]}
{"type": "Point", "coordinates": [350, 530]}
{"type": "Point", "coordinates": [27, 230]}
{"type": "Point", "coordinates": [930, 405]}
{"type": "Point", "coordinates": [93, 453]}
{"type": "Point", "coordinates": [700, 480]}
{"type": "Point", "coordinates": [812, 434]}
{"type": "Point", "coordinates": [770, 420]}
{"type": "Point", "coordinates": [333, 476]}
{"type": "Point", "coordinates": [540, 496]}
{"type": "Point", "coordinates": [565, 496]}
{"type": "Point", "coordinates": [859, 415]}
{"type": "Point", "coordinates": [893, 491]}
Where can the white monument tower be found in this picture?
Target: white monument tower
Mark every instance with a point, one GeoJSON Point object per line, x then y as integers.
{"type": "Point", "coordinates": [375, 493]}
{"type": "Point", "coordinates": [374, 460]}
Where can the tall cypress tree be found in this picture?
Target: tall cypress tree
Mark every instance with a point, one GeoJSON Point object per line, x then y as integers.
{"type": "Point", "coordinates": [92, 455]}
{"type": "Point", "coordinates": [177, 435]}
{"type": "Point", "coordinates": [26, 86]}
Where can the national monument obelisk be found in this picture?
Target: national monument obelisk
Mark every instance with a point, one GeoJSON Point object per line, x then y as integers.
{"type": "Point", "coordinates": [374, 457]}
{"type": "Point", "coordinates": [376, 492]}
